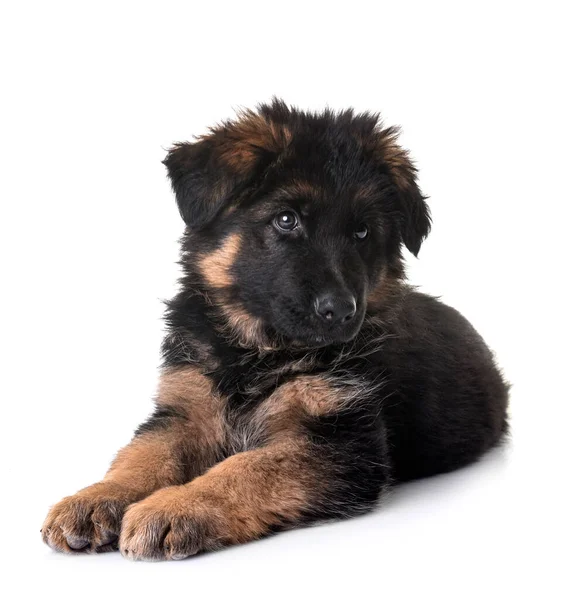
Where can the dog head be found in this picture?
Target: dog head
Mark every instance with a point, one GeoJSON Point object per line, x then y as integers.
{"type": "Point", "coordinates": [295, 221]}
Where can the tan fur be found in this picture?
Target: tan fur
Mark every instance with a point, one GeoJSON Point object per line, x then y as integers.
{"type": "Point", "coordinates": [153, 460]}
{"type": "Point", "coordinates": [244, 329]}
{"type": "Point", "coordinates": [282, 414]}
{"type": "Point", "coordinates": [255, 488]}
{"type": "Point", "coordinates": [148, 463]}
{"type": "Point", "coordinates": [236, 501]}
{"type": "Point", "coordinates": [243, 497]}
{"type": "Point", "coordinates": [311, 393]}
{"type": "Point", "coordinates": [216, 266]}
{"type": "Point", "coordinates": [188, 390]}
{"type": "Point", "coordinates": [192, 393]}
{"type": "Point", "coordinates": [92, 516]}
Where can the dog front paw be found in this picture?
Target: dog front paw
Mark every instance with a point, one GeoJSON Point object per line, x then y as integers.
{"type": "Point", "coordinates": [172, 524]}
{"type": "Point", "coordinates": [88, 521]}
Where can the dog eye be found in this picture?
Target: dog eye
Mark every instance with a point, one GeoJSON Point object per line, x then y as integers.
{"type": "Point", "coordinates": [361, 233]}
{"type": "Point", "coordinates": [286, 221]}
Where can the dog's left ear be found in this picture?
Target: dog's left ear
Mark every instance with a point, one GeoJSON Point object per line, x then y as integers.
{"type": "Point", "coordinates": [415, 219]}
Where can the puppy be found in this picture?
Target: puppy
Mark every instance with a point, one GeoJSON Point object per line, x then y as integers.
{"type": "Point", "coordinates": [302, 376]}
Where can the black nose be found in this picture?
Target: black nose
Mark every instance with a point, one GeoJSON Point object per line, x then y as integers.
{"type": "Point", "coordinates": [335, 308]}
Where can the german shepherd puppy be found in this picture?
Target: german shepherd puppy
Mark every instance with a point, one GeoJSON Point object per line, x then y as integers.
{"type": "Point", "coordinates": [302, 376]}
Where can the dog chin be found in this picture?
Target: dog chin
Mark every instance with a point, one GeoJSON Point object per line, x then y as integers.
{"type": "Point", "coordinates": [320, 340]}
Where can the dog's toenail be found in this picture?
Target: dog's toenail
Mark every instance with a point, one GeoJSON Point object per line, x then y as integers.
{"type": "Point", "coordinates": [77, 543]}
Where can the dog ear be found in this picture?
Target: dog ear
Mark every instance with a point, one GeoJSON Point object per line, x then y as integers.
{"type": "Point", "coordinates": [415, 219]}
{"type": "Point", "coordinates": [208, 174]}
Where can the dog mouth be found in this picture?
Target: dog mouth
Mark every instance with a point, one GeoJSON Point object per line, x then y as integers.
{"type": "Point", "coordinates": [318, 342]}
{"type": "Point", "coordinates": [305, 333]}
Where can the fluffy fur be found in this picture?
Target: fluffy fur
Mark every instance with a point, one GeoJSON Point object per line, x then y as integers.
{"type": "Point", "coordinates": [302, 376]}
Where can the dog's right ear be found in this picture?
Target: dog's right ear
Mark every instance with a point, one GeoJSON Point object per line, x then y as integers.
{"type": "Point", "coordinates": [207, 175]}
{"type": "Point", "coordinates": [414, 215]}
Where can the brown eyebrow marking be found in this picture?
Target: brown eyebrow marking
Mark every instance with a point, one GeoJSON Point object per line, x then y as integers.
{"type": "Point", "coordinates": [303, 188]}
{"type": "Point", "coordinates": [297, 189]}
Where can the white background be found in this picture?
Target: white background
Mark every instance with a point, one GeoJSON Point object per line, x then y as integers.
{"type": "Point", "coordinates": [93, 94]}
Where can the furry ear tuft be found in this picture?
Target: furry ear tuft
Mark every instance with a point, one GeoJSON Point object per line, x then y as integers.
{"type": "Point", "coordinates": [415, 220]}
{"type": "Point", "coordinates": [206, 175]}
